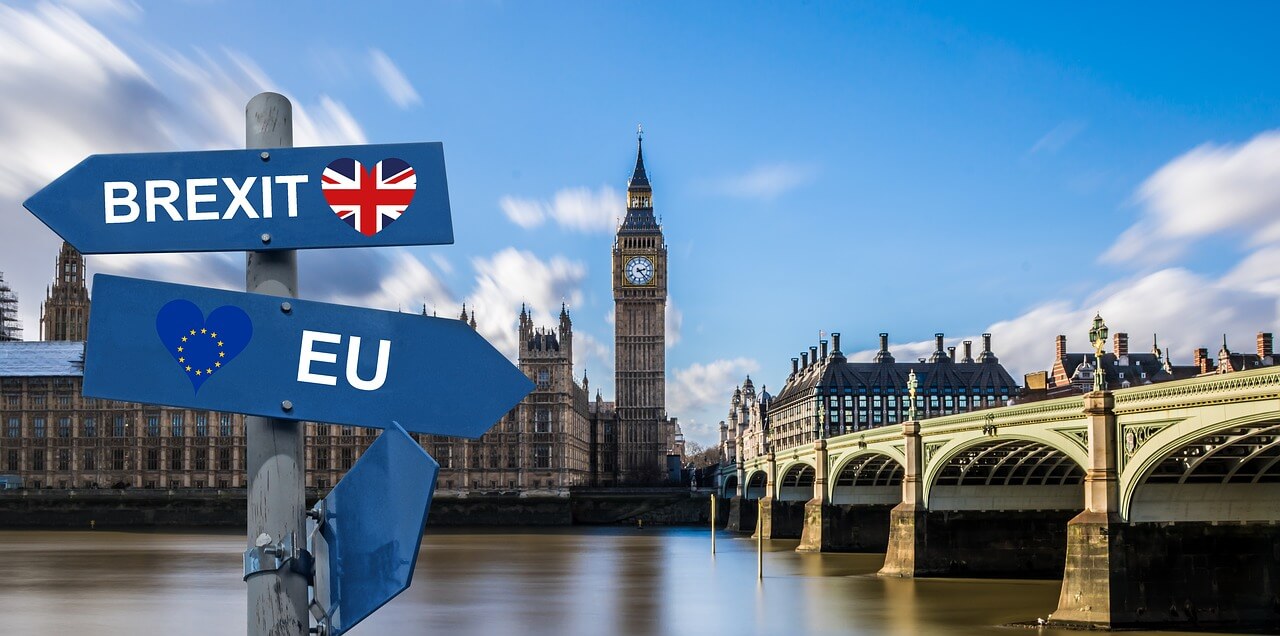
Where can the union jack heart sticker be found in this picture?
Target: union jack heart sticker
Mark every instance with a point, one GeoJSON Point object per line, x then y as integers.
{"type": "Point", "coordinates": [369, 199]}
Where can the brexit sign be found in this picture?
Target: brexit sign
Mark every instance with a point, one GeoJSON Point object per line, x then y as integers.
{"type": "Point", "coordinates": [194, 347]}
{"type": "Point", "coordinates": [251, 200]}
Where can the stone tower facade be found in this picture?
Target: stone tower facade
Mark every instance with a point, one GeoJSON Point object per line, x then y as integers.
{"type": "Point", "coordinates": [64, 316]}
{"type": "Point", "coordinates": [640, 303]}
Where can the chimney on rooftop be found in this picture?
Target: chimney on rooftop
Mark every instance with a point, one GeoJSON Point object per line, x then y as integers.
{"type": "Point", "coordinates": [1264, 344]}
{"type": "Point", "coordinates": [937, 342]}
{"type": "Point", "coordinates": [835, 342]}
{"type": "Point", "coordinates": [968, 351]}
{"type": "Point", "coordinates": [813, 356]}
{"type": "Point", "coordinates": [1121, 344]}
{"type": "Point", "coordinates": [987, 355]}
{"type": "Point", "coordinates": [884, 355]}
{"type": "Point", "coordinates": [951, 353]}
{"type": "Point", "coordinates": [1202, 360]}
{"type": "Point", "coordinates": [804, 360]}
{"type": "Point", "coordinates": [795, 366]}
{"type": "Point", "coordinates": [823, 345]}
{"type": "Point", "coordinates": [1060, 347]}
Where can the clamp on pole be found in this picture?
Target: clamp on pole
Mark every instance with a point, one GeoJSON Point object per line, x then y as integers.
{"type": "Point", "coordinates": [270, 557]}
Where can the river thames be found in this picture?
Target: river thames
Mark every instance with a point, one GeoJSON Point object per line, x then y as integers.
{"type": "Point", "coordinates": [587, 581]}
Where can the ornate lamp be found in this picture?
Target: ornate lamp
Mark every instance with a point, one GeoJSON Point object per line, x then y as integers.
{"type": "Point", "coordinates": [1098, 336]}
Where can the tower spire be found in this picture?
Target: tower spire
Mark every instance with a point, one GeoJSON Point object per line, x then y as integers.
{"type": "Point", "coordinates": [639, 178]}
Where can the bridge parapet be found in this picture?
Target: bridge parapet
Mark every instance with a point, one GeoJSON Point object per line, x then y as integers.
{"type": "Point", "coordinates": [1242, 386]}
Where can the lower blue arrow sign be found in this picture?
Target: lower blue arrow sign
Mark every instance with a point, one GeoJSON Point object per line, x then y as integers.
{"type": "Point", "coordinates": [202, 348]}
{"type": "Point", "coordinates": [370, 528]}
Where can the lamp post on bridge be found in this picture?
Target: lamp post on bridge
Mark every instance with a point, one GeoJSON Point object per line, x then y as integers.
{"type": "Point", "coordinates": [1098, 336]}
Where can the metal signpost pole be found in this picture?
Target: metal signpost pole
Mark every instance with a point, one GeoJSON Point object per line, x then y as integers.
{"type": "Point", "coordinates": [274, 448]}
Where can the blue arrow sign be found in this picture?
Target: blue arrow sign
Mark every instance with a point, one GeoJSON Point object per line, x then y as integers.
{"type": "Point", "coordinates": [244, 200]}
{"type": "Point", "coordinates": [200, 348]}
{"type": "Point", "coordinates": [366, 543]}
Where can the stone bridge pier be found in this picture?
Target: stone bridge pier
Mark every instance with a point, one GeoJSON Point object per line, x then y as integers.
{"type": "Point", "coordinates": [1198, 542]}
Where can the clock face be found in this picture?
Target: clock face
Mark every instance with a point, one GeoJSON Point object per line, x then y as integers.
{"type": "Point", "coordinates": [639, 270]}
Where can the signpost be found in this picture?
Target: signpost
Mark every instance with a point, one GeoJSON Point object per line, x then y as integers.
{"type": "Point", "coordinates": [282, 360]}
{"type": "Point", "coordinates": [251, 200]}
{"type": "Point", "coordinates": [368, 530]}
{"type": "Point", "coordinates": [275, 449]}
{"type": "Point", "coordinates": [201, 348]}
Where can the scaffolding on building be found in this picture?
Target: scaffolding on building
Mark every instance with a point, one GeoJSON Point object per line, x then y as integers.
{"type": "Point", "coordinates": [10, 325]}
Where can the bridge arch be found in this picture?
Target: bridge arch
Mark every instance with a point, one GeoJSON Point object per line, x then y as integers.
{"type": "Point", "coordinates": [1012, 471]}
{"type": "Point", "coordinates": [757, 483]}
{"type": "Point", "coordinates": [1195, 470]}
{"type": "Point", "coordinates": [730, 487]}
{"type": "Point", "coordinates": [867, 477]}
{"type": "Point", "coordinates": [795, 482]}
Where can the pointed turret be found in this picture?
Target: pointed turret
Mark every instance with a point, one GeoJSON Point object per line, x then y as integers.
{"type": "Point", "coordinates": [639, 180]}
{"type": "Point", "coordinates": [639, 217]}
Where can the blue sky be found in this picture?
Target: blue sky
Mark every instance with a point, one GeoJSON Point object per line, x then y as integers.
{"type": "Point", "coordinates": [910, 168]}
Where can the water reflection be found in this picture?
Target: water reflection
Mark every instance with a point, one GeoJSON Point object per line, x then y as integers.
{"type": "Point", "coordinates": [555, 581]}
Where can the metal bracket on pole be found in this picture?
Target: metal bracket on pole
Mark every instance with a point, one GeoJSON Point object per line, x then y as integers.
{"type": "Point", "coordinates": [315, 522]}
{"type": "Point", "coordinates": [270, 557]}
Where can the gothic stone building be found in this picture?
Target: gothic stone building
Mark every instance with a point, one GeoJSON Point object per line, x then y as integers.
{"type": "Point", "coordinates": [558, 437]}
{"type": "Point", "coordinates": [64, 317]}
{"type": "Point", "coordinates": [645, 435]}
{"type": "Point", "coordinates": [555, 438]}
{"type": "Point", "coordinates": [544, 443]}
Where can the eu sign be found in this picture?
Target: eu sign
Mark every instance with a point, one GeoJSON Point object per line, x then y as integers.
{"type": "Point", "coordinates": [247, 200]}
{"type": "Point", "coordinates": [203, 348]}
{"type": "Point", "coordinates": [369, 528]}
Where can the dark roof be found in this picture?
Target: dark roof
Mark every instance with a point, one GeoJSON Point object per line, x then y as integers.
{"type": "Point", "coordinates": [41, 359]}
{"type": "Point", "coordinates": [639, 220]}
{"type": "Point", "coordinates": [836, 372]}
{"type": "Point", "coordinates": [1132, 372]}
{"type": "Point", "coordinates": [639, 178]}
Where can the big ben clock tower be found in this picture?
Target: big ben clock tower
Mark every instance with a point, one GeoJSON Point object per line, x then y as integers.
{"type": "Point", "coordinates": [640, 303]}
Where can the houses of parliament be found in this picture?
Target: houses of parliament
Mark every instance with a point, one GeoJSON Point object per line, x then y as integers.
{"type": "Point", "coordinates": [559, 436]}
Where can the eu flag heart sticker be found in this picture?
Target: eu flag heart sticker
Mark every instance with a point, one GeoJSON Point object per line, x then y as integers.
{"type": "Point", "coordinates": [369, 199]}
{"type": "Point", "coordinates": [202, 347]}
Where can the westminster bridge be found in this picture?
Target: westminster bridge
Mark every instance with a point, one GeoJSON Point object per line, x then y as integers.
{"type": "Point", "coordinates": [1158, 505]}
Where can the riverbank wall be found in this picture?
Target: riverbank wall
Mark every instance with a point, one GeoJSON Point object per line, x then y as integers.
{"type": "Point", "coordinates": [226, 508]}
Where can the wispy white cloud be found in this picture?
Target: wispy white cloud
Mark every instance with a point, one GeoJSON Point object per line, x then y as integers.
{"type": "Point", "coordinates": [765, 181]}
{"type": "Point", "coordinates": [513, 277]}
{"type": "Point", "coordinates": [674, 320]}
{"type": "Point", "coordinates": [595, 359]}
{"type": "Point", "coordinates": [1058, 137]}
{"type": "Point", "coordinates": [393, 80]}
{"type": "Point", "coordinates": [71, 91]}
{"type": "Point", "coordinates": [578, 209]}
{"type": "Point", "coordinates": [1187, 310]}
{"type": "Point", "coordinates": [700, 387]}
{"type": "Point", "coordinates": [442, 263]}
{"type": "Point", "coordinates": [1211, 189]}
